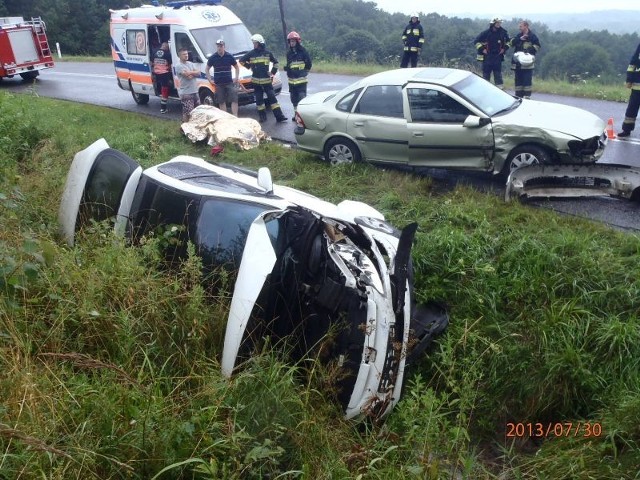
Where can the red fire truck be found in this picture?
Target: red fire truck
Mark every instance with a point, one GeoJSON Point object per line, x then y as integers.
{"type": "Point", "coordinates": [24, 48]}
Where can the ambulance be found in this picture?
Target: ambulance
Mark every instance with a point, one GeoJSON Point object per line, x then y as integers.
{"type": "Point", "coordinates": [24, 47]}
{"type": "Point", "coordinates": [136, 33]}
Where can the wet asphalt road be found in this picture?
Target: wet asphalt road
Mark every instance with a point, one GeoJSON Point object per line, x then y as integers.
{"type": "Point", "coordinates": [95, 83]}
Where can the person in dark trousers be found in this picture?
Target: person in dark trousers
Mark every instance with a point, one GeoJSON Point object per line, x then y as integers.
{"type": "Point", "coordinates": [297, 68]}
{"type": "Point", "coordinates": [225, 84]}
{"type": "Point", "coordinates": [633, 82]}
{"type": "Point", "coordinates": [413, 39]}
{"type": "Point", "coordinates": [258, 61]}
{"type": "Point", "coordinates": [491, 46]}
{"type": "Point", "coordinates": [527, 42]}
{"type": "Point", "coordinates": [162, 72]}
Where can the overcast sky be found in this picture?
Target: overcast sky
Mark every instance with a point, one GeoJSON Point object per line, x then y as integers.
{"type": "Point", "coordinates": [503, 9]}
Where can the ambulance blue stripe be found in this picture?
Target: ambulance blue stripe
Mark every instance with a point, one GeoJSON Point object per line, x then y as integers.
{"type": "Point", "coordinates": [134, 67]}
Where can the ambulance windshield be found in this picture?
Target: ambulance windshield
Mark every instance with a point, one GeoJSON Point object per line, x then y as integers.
{"type": "Point", "coordinates": [236, 37]}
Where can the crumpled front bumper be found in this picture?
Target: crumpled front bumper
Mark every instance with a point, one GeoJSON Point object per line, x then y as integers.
{"type": "Point", "coordinates": [572, 181]}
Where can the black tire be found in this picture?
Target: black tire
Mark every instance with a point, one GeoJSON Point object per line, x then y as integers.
{"type": "Point", "coordinates": [207, 97]}
{"type": "Point", "coordinates": [27, 76]}
{"type": "Point", "coordinates": [140, 98]}
{"type": "Point", "coordinates": [526, 155]}
{"type": "Point", "coordinates": [341, 150]}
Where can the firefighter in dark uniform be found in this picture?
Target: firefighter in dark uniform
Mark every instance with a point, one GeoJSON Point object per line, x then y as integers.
{"type": "Point", "coordinates": [491, 46]}
{"type": "Point", "coordinates": [258, 61]}
{"type": "Point", "coordinates": [297, 68]}
{"type": "Point", "coordinates": [633, 82]}
{"type": "Point", "coordinates": [413, 39]}
{"type": "Point", "coordinates": [524, 41]}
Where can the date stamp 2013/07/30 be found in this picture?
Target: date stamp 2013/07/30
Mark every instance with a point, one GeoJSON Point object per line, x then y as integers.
{"type": "Point", "coordinates": [553, 429]}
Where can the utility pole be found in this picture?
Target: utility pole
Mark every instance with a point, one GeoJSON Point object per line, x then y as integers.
{"type": "Point", "coordinates": [284, 24]}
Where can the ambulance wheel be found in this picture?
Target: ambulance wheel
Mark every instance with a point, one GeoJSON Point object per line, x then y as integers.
{"type": "Point", "coordinates": [140, 98]}
{"type": "Point", "coordinates": [207, 98]}
{"type": "Point", "coordinates": [29, 75]}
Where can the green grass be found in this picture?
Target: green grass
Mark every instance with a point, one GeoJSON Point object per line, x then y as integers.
{"type": "Point", "coordinates": [109, 365]}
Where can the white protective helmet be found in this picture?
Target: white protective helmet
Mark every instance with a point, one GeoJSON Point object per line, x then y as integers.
{"type": "Point", "coordinates": [257, 38]}
{"type": "Point", "coordinates": [524, 59]}
{"type": "Point", "coordinates": [415, 15]}
{"type": "Point", "coordinates": [496, 20]}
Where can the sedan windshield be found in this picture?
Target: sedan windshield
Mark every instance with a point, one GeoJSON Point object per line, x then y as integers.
{"type": "Point", "coordinates": [237, 38]}
{"type": "Point", "coordinates": [484, 95]}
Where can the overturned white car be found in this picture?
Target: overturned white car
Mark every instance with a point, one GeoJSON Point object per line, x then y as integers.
{"type": "Point", "coordinates": [306, 269]}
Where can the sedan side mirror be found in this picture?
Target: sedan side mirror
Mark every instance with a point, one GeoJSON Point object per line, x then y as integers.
{"type": "Point", "coordinates": [475, 122]}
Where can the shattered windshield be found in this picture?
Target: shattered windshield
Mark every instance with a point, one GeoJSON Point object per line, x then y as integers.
{"type": "Point", "coordinates": [484, 95]}
{"type": "Point", "coordinates": [237, 38]}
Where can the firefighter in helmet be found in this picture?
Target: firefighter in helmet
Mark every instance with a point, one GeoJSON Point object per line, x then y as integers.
{"type": "Point", "coordinates": [413, 39]}
{"type": "Point", "coordinates": [297, 68]}
{"type": "Point", "coordinates": [525, 44]}
{"type": "Point", "coordinates": [258, 61]}
{"type": "Point", "coordinates": [491, 46]}
{"type": "Point", "coordinates": [633, 83]}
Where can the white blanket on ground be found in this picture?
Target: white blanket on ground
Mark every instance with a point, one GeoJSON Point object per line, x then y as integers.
{"type": "Point", "coordinates": [212, 124]}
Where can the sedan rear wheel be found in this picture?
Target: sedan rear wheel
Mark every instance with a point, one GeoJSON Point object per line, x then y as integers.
{"type": "Point", "coordinates": [526, 155]}
{"type": "Point", "coordinates": [341, 150]}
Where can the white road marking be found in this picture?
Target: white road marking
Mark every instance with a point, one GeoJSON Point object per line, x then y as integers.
{"type": "Point", "coordinates": [90, 75]}
{"type": "Point", "coordinates": [633, 141]}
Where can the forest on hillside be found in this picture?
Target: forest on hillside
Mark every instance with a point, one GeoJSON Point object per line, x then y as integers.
{"type": "Point", "coordinates": [352, 31]}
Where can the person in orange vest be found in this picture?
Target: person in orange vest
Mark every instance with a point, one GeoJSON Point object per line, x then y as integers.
{"type": "Point", "coordinates": [162, 72]}
{"type": "Point", "coordinates": [413, 39]}
{"type": "Point", "coordinates": [633, 83]}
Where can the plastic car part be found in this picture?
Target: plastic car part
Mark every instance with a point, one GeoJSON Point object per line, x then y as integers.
{"type": "Point", "coordinates": [572, 181]}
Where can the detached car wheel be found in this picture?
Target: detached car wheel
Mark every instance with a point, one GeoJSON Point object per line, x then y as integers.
{"type": "Point", "coordinates": [525, 156]}
{"type": "Point", "coordinates": [341, 150]}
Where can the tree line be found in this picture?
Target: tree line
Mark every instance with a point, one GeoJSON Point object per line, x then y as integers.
{"type": "Point", "coordinates": [351, 31]}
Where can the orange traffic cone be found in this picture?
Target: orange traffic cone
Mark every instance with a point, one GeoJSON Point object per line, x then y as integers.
{"type": "Point", "coordinates": [610, 133]}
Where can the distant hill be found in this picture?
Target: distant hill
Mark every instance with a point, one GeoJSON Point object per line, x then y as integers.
{"type": "Point", "coordinates": [615, 21]}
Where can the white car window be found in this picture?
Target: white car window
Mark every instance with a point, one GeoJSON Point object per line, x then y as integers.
{"type": "Point", "coordinates": [428, 105]}
{"type": "Point", "coordinates": [381, 100]}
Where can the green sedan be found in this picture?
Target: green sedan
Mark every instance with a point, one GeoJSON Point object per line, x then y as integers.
{"type": "Point", "coordinates": [447, 118]}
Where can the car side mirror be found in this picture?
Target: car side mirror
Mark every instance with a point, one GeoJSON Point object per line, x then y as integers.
{"type": "Point", "coordinates": [474, 122]}
{"type": "Point", "coordinates": [264, 179]}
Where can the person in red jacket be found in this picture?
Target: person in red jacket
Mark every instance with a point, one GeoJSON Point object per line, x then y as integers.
{"type": "Point", "coordinates": [162, 72]}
